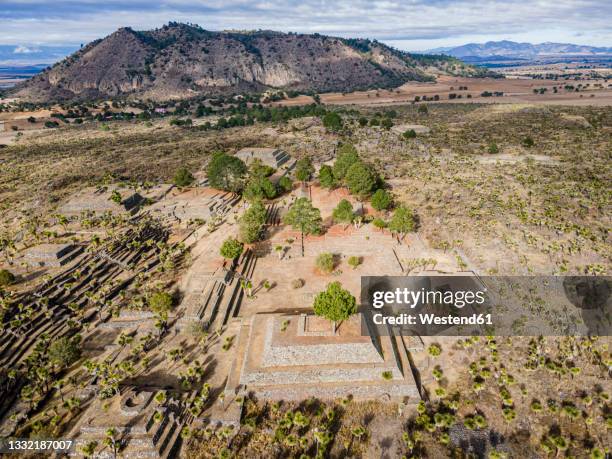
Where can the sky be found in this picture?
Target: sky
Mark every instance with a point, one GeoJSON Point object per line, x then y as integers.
{"type": "Point", "coordinates": [413, 25]}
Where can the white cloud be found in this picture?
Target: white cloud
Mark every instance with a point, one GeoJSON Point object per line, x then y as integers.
{"type": "Point", "coordinates": [20, 49]}
{"type": "Point", "coordinates": [407, 22]}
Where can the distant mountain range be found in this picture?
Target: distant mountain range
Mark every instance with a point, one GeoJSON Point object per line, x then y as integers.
{"type": "Point", "coordinates": [495, 50]}
{"type": "Point", "coordinates": [180, 60]}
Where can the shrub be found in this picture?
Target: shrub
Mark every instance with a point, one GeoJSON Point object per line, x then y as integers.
{"type": "Point", "coordinates": [527, 142]}
{"type": "Point", "coordinates": [387, 375]}
{"type": "Point", "coordinates": [325, 262]}
{"type": "Point", "coordinates": [354, 261]}
{"type": "Point", "coordinates": [493, 148]}
{"type": "Point", "coordinates": [434, 350]}
{"type": "Point", "coordinates": [386, 123]}
{"type": "Point", "coordinates": [297, 283]}
{"type": "Point", "coordinates": [6, 277]}
{"type": "Point", "coordinates": [409, 134]}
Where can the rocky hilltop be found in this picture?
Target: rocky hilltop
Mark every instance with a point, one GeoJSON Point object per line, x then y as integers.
{"type": "Point", "coordinates": [180, 60]}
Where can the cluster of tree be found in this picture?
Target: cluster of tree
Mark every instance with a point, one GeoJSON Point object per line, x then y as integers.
{"type": "Point", "coordinates": [491, 94]}
{"type": "Point", "coordinates": [351, 171]}
{"type": "Point", "coordinates": [230, 173]}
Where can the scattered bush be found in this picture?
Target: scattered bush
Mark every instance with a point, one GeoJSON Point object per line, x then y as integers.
{"type": "Point", "coordinates": [297, 283]}
{"type": "Point", "coordinates": [409, 134]}
{"type": "Point", "coordinates": [325, 262]}
{"type": "Point", "coordinates": [354, 262]}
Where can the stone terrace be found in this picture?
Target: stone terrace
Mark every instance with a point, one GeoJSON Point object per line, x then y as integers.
{"type": "Point", "coordinates": [98, 200]}
{"type": "Point", "coordinates": [277, 361]}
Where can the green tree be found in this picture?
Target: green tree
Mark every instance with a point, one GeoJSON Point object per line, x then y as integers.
{"type": "Point", "coordinates": [6, 277]}
{"type": "Point", "coordinates": [343, 213]}
{"type": "Point", "coordinates": [183, 177]}
{"type": "Point", "coordinates": [381, 199]}
{"type": "Point", "coordinates": [65, 351]}
{"type": "Point", "coordinates": [285, 184]}
{"type": "Point", "coordinates": [335, 303]}
{"type": "Point", "coordinates": [360, 179]}
{"type": "Point", "coordinates": [161, 302]}
{"type": "Point", "coordinates": [226, 172]}
{"type": "Point", "coordinates": [304, 169]}
{"type": "Point", "coordinates": [332, 121]}
{"type": "Point", "coordinates": [403, 221]}
{"type": "Point", "coordinates": [363, 121]}
{"type": "Point", "coordinates": [252, 222]}
{"type": "Point", "coordinates": [231, 248]}
{"type": "Point", "coordinates": [259, 188]}
{"type": "Point", "coordinates": [347, 156]}
{"type": "Point", "coordinates": [326, 176]}
{"type": "Point", "coordinates": [303, 217]}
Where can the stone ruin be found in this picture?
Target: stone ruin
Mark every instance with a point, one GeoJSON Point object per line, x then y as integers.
{"type": "Point", "coordinates": [139, 434]}
{"type": "Point", "coordinates": [98, 200]}
{"type": "Point", "coordinates": [294, 357]}
{"type": "Point", "coordinates": [51, 255]}
{"type": "Point", "coordinates": [272, 157]}
{"type": "Point", "coordinates": [204, 203]}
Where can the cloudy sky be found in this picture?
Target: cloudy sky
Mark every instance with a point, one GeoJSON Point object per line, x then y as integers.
{"type": "Point", "coordinates": [411, 25]}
